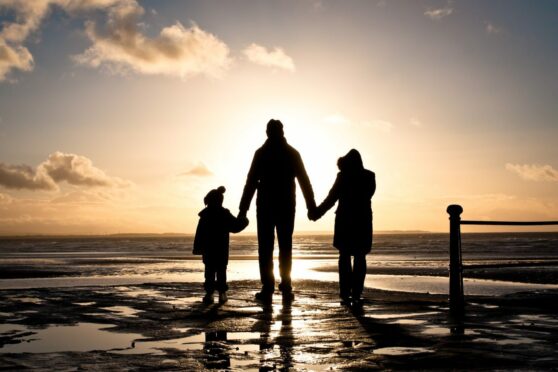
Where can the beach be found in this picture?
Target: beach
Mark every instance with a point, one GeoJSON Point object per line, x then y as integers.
{"type": "Point", "coordinates": [166, 327]}
{"type": "Point", "coordinates": [103, 304]}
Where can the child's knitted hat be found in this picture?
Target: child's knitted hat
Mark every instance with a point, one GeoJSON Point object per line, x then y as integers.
{"type": "Point", "coordinates": [215, 196]}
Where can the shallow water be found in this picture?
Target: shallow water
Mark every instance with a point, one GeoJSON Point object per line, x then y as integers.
{"type": "Point", "coordinates": [80, 337]}
{"type": "Point", "coordinates": [302, 269]}
{"type": "Point", "coordinates": [102, 261]}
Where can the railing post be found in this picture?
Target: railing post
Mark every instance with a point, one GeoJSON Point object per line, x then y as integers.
{"type": "Point", "coordinates": [456, 300]}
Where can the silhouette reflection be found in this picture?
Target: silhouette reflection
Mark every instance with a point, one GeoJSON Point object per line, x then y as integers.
{"type": "Point", "coordinates": [217, 351]}
{"type": "Point", "coordinates": [272, 335]}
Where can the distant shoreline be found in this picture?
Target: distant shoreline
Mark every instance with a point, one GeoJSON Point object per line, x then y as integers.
{"type": "Point", "coordinates": [250, 234]}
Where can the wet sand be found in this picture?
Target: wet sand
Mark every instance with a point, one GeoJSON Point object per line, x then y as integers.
{"type": "Point", "coordinates": [164, 326]}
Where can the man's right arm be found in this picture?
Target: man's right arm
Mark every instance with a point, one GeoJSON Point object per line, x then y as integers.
{"type": "Point", "coordinates": [250, 187]}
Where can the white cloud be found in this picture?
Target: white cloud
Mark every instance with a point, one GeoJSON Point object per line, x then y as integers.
{"type": "Point", "coordinates": [200, 170]}
{"type": "Point", "coordinates": [376, 124]}
{"type": "Point", "coordinates": [380, 125]}
{"type": "Point", "coordinates": [534, 172]}
{"type": "Point", "coordinates": [274, 58]}
{"type": "Point", "coordinates": [59, 167]}
{"type": "Point", "coordinates": [439, 13]}
{"type": "Point", "coordinates": [336, 119]}
{"type": "Point", "coordinates": [77, 170]}
{"type": "Point", "coordinates": [118, 44]}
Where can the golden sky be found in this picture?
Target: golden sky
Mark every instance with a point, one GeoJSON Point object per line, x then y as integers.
{"type": "Point", "coordinates": [118, 116]}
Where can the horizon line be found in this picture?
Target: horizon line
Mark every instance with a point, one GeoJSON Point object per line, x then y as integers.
{"type": "Point", "coordinates": [305, 232]}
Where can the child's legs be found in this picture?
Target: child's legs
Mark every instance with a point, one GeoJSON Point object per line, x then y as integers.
{"type": "Point", "coordinates": [222, 279]}
{"type": "Point", "coordinates": [209, 284]}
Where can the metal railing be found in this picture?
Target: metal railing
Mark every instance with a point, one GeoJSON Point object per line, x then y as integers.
{"type": "Point", "coordinates": [456, 296]}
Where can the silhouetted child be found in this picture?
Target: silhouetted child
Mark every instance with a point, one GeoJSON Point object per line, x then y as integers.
{"type": "Point", "coordinates": [212, 242]}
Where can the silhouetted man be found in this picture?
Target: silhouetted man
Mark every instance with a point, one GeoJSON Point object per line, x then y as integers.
{"type": "Point", "coordinates": [274, 168]}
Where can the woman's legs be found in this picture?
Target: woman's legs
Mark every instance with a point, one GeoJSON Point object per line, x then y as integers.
{"type": "Point", "coordinates": [345, 275]}
{"type": "Point", "coordinates": [359, 274]}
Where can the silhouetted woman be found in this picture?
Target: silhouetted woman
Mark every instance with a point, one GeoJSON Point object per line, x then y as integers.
{"type": "Point", "coordinates": [353, 188]}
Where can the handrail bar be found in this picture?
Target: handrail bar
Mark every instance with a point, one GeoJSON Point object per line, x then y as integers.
{"type": "Point", "coordinates": [508, 223]}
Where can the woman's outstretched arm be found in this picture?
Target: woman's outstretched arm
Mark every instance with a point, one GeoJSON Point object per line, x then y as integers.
{"type": "Point", "coordinates": [330, 200]}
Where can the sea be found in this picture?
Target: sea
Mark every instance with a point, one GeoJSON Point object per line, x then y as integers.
{"type": "Point", "coordinates": [413, 262]}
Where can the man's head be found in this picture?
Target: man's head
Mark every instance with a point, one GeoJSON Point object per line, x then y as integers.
{"type": "Point", "coordinates": [274, 129]}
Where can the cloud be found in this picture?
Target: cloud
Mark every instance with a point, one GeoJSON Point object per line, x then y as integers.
{"type": "Point", "coordinates": [380, 125]}
{"type": "Point", "coordinates": [492, 29]}
{"type": "Point", "coordinates": [376, 124]}
{"type": "Point", "coordinates": [534, 172]}
{"type": "Point", "coordinates": [59, 167]}
{"type": "Point", "coordinates": [439, 13]}
{"type": "Point", "coordinates": [199, 170]}
{"type": "Point", "coordinates": [77, 170]}
{"type": "Point", "coordinates": [13, 55]}
{"type": "Point", "coordinates": [81, 197]}
{"type": "Point", "coordinates": [118, 44]}
{"type": "Point", "coordinates": [336, 119]}
{"type": "Point", "coordinates": [276, 58]}
{"type": "Point", "coordinates": [24, 177]}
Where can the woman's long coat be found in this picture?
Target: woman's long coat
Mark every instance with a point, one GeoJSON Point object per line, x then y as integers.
{"type": "Point", "coordinates": [353, 219]}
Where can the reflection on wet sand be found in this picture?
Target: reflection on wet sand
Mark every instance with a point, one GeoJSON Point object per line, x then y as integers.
{"type": "Point", "coordinates": [158, 325]}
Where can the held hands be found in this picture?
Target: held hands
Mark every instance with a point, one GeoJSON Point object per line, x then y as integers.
{"type": "Point", "coordinates": [314, 214]}
{"type": "Point", "coordinates": [242, 218]}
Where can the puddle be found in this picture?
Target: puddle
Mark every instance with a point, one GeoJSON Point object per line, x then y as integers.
{"type": "Point", "coordinates": [509, 341]}
{"type": "Point", "coordinates": [28, 300]}
{"type": "Point", "coordinates": [243, 336]}
{"type": "Point", "coordinates": [400, 350]}
{"type": "Point", "coordinates": [402, 315]}
{"type": "Point", "coordinates": [80, 337]}
{"type": "Point", "coordinates": [537, 318]}
{"type": "Point", "coordinates": [194, 342]}
{"type": "Point", "coordinates": [436, 331]}
{"type": "Point", "coordinates": [11, 328]}
{"type": "Point", "coordinates": [408, 322]}
{"type": "Point", "coordinates": [85, 303]}
{"type": "Point", "coordinates": [248, 348]}
{"type": "Point", "coordinates": [122, 310]}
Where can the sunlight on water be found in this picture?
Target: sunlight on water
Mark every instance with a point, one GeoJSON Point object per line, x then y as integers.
{"type": "Point", "coordinates": [80, 337]}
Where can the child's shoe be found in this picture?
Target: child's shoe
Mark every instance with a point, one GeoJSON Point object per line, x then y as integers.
{"type": "Point", "coordinates": [208, 298]}
{"type": "Point", "coordinates": [223, 297]}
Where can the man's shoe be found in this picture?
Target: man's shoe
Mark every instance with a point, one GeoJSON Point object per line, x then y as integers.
{"type": "Point", "coordinates": [208, 299]}
{"type": "Point", "coordinates": [264, 296]}
{"type": "Point", "coordinates": [288, 296]}
{"type": "Point", "coordinates": [223, 297]}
